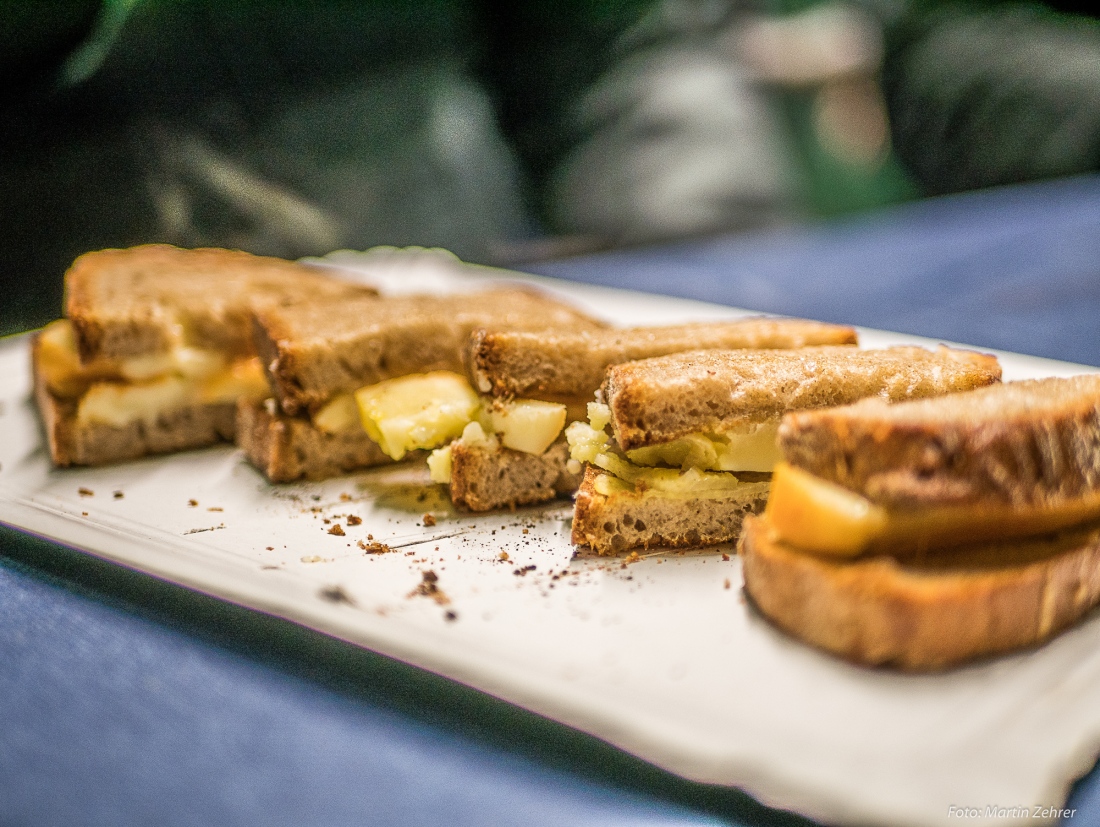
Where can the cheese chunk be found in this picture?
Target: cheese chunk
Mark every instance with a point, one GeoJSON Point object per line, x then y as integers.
{"type": "Point", "coordinates": [340, 414]}
{"type": "Point", "coordinates": [119, 404]}
{"type": "Point", "coordinates": [527, 425]}
{"type": "Point", "coordinates": [418, 411]}
{"type": "Point", "coordinates": [818, 516]}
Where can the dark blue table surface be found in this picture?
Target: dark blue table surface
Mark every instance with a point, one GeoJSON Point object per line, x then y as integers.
{"type": "Point", "coordinates": [128, 701]}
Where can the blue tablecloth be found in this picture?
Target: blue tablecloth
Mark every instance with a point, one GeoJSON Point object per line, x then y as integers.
{"type": "Point", "coordinates": [127, 701]}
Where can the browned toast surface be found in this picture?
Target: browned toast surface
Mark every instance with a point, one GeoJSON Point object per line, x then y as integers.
{"type": "Point", "coordinates": [936, 612]}
{"type": "Point", "coordinates": [610, 524]}
{"type": "Point", "coordinates": [563, 364]}
{"type": "Point", "coordinates": [141, 300]}
{"type": "Point", "coordinates": [484, 478]}
{"type": "Point", "coordinates": [1035, 441]}
{"type": "Point", "coordinates": [312, 352]}
{"type": "Point", "coordinates": [658, 400]}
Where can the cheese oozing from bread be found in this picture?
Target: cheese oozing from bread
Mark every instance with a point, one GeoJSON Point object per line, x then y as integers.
{"type": "Point", "coordinates": [822, 517]}
{"type": "Point", "coordinates": [701, 464]}
{"type": "Point", "coordinates": [425, 411]}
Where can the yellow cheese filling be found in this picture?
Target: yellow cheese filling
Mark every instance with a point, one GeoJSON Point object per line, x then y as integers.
{"type": "Point", "coordinates": [818, 516]}
{"type": "Point", "coordinates": [424, 411]}
{"type": "Point", "coordinates": [120, 403]}
{"type": "Point", "coordinates": [120, 391]}
{"type": "Point", "coordinates": [705, 462]}
{"type": "Point", "coordinates": [66, 376]}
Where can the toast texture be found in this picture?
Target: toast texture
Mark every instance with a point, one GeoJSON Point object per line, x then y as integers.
{"type": "Point", "coordinates": [485, 478]}
{"type": "Point", "coordinates": [658, 400]}
{"type": "Point", "coordinates": [611, 524]}
{"type": "Point", "coordinates": [927, 614]}
{"type": "Point", "coordinates": [72, 442]}
{"type": "Point", "coordinates": [312, 352]}
{"type": "Point", "coordinates": [142, 300]}
{"type": "Point", "coordinates": [1022, 443]}
{"type": "Point", "coordinates": [571, 364]}
{"type": "Point", "coordinates": [287, 448]}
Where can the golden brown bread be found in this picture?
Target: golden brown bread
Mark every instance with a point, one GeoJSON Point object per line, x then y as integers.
{"type": "Point", "coordinates": [140, 300]}
{"type": "Point", "coordinates": [610, 524]}
{"type": "Point", "coordinates": [1035, 441]}
{"type": "Point", "coordinates": [484, 478]}
{"type": "Point", "coordinates": [931, 613]}
{"type": "Point", "coordinates": [563, 364]}
{"type": "Point", "coordinates": [658, 400]}
{"type": "Point", "coordinates": [312, 352]}
{"type": "Point", "coordinates": [288, 448]}
{"type": "Point", "coordinates": [72, 442]}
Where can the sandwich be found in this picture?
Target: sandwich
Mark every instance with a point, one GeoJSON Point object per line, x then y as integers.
{"type": "Point", "coordinates": [928, 533]}
{"type": "Point", "coordinates": [692, 440]}
{"type": "Point", "coordinates": [156, 348]}
{"type": "Point", "coordinates": [532, 384]}
{"type": "Point", "coordinates": [374, 380]}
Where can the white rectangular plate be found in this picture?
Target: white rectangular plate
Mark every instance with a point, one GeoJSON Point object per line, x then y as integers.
{"type": "Point", "coordinates": [662, 657]}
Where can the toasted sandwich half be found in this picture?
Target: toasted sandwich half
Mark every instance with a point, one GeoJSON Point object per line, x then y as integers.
{"type": "Point", "coordinates": [928, 533]}
{"type": "Point", "coordinates": [533, 384]}
{"type": "Point", "coordinates": [693, 435]}
{"type": "Point", "coordinates": [156, 348]}
{"type": "Point", "coordinates": [369, 381]}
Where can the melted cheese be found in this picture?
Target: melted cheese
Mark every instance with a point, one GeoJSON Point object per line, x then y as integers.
{"type": "Point", "coordinates": [67, 376]}
{"type": "Point", "coordinates": [819, 516]}
{"type": "Point", "coordinates": [121, 403]}
{"type": "Point", "coordinates": [417, 411]}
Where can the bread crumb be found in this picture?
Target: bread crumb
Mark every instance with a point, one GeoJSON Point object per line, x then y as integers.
{"type": "Point", "coordinates": [725, 557]}
{"type": "Point", "coordinates": [450, 616]}
{"type": "Point", "coordinates": [504, 556]}
{"type": "Point", "coordinates": [118, 495]}
{"type": "Point", "coordinates": [336, 530]}
{"type": "Point", "coordinates": [429, 588]}
{"type": "Point", "coordinates": [192, 503]}
{"type": "Point", "coordinates": [354, 520]}
{"type": "Point", "coordinates": [345, 497]}
{"type": "Point", "coordinates": [373, 547]}
{"type": "Point", "coordinates": [85, 492]}
{"type": "Point", "coordinates": [270, 548]}
{"type": "Point", "coordinates": [313, 558]}
{"type": "Point", "coordinates": [726, 583]}
{"type": "Point", "coordinates": [336, 594]}
{"type": "Point", "coordinates": [428, 520]}
{"type": "Point", "coordinates": [215, 508]}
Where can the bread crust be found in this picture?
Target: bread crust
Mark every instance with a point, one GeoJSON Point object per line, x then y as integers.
{"type": "Point", "coordinates": [569, 364]}
{"type": "Point", "coordinates": [1022, 443]}
{"type": "Point", "coordinates": [658, 400]}
{"type": "Point", "coordinates": [313, 352]}
{"type": "Point", "coordinates": [72, 442]}
{"type": "Point", "coordinates": [286, 448]}
{"type": "Point", "coordinates": [615, 524]}
{"type": "Point", "coordinates": [928, 614]}
{"type": "Point", "coordinates": [141, 300]}
{"type": "Point", "coordinates": [485, 478]}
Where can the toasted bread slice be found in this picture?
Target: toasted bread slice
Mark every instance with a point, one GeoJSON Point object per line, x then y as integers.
{"type": "Point", "coordinates": [568, 364]}
{"type": "Point", "coordinates": [654, 401]}
{"type": "Point", "coordinates": [288, 448]}
{"type": "Point", "coordinates": [1020, 443]}
{"type": "Point", "coordinates": [74, 442]}
{"type": "Point", "coordinates": [487, 477]}
{"type": "Point", "coordinates": [149, 299]}
{"type": "Point", "coordinates": [930, 613]}
{"type": "Point", "coordinates": [313, 352]}
{"type": "Point", "coordinates": [610, 523]}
